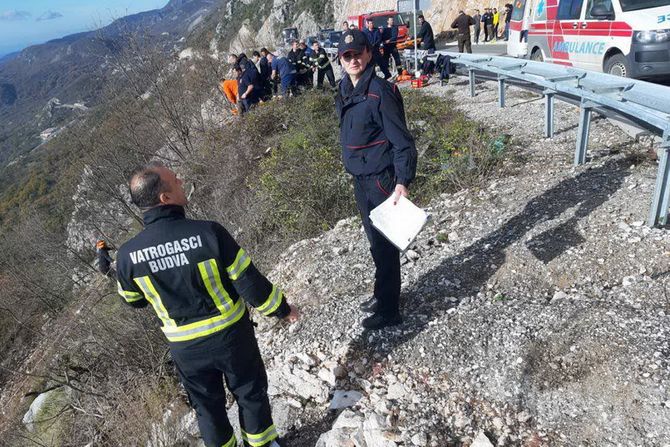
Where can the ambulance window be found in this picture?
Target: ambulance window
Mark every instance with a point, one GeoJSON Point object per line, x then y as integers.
{"type": "Point", "coordinates": [569, 9]}
{"type": "Point", "coordinates": [604, 4]}
{"type": "Point", "coordinates": [517, 12]}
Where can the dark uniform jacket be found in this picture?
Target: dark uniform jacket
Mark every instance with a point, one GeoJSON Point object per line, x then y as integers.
{"type": "Point", "coordinates": [373, 131]}
{"type": "Point", "coordinates": [194, 275]}
{"type": "Point", "coordinates": [265, 70]}
{"type": "Point", "coordinates": [320, 59]}
{"type": "Point", "coordinates": [374, 38]}
{"type": "Point", "coordinates": [390, 33]}
{"type": "Point", "coordinates": [426, 36]}
{"type": "Point", "coordinates": [249, 77]}
{"type": "Point", "coordinates": [463, 23]}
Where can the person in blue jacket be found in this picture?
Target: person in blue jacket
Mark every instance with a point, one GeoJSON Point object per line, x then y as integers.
{"type": "Point", "coordinates": [374, 37]}
{"type": "Point", "coordinates": [285, 71]}
{"type": "Point", "coordinates": [379, 152]}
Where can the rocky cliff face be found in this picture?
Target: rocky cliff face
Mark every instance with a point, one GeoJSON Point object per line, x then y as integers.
{"type": "Point", "coordinates": [439, 15]}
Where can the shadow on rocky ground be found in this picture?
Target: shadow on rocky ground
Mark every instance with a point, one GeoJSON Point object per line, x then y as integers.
{"type": "Point", "coordinates": [470, 270]}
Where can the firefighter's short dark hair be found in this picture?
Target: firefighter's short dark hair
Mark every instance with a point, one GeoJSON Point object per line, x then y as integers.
{"type": "Point", "coordinates": [146, 185]}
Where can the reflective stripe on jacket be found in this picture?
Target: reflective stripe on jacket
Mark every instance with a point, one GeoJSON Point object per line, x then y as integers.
{"type": "Point", "coordinates": [193, 274]}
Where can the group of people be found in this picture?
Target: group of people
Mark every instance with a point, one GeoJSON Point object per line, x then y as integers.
{"type": "Point", "coordinates": [199, 280]}
{"type": "Point", "coordinates": [267, 75]}
{"type": "Point", "coordinates": [489, 22]}
{"type": "Point", "coordinates": [384, 41]}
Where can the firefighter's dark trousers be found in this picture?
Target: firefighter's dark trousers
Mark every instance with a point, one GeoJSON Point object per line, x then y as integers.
{"type": "Point", "coordinates": [371, 191]}
{"type": "Point", "coordinates": [233, 355]}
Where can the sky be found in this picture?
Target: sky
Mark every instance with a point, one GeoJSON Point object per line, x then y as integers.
{"type": "Point", "coordinates": [29, 22]}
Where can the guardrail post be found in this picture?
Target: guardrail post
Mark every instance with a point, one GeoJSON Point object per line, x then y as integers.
{"type": "Point", "coordinates": [549, 113]}
{"type": "Point", "coordinates": [659, 205]}
{"type": "Point", "coordinates": [501, 91]}
{"type": "Point", "coordinates": [583, 132]}
{"type": "Point", "coordinates": [471, 74]}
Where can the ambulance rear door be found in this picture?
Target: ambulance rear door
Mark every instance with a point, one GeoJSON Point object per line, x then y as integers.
{"type": "Point", "coordinates": [566, 32]}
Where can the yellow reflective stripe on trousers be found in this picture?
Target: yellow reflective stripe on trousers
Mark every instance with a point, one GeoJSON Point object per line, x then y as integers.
{"type": "Point", "coordinates": [152, 296]}
{"type": "Point", "coordinates": [272, 303]}
{"type": "Point", "coordinates": [261, 438]}
{"type": "Point", "coordinates": [212, 279]}
{"type": "Point", "coordinates": [232, 442]}
{"type": "Point", "coordinates": [242, 261]}
{"type": "Point", "coordinates": [205, 327]}
{"type": "Point", "coordinates": [130, 297]}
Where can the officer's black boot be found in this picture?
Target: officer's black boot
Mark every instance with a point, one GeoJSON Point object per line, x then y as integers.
{"type": "Point", "coordinates": [369, 306]}
{"type": "Point", "coordinates": [378, 321]}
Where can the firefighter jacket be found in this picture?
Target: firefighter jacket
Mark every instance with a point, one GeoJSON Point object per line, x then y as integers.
{"type": "Point", "coordinates": [193, 274]}
{"type": "Point", "coordinates": [299, 60]}
{"type": "Point", "coordinates": [319, 59]}
{"type": "Point", "coordinates": [373, 131]}
{"type": "Point", "coordinates": [374, 38]}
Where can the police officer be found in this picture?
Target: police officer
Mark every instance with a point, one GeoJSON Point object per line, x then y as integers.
{"type": "Point", "coordinates": [197, 279]}
{"type": "Point", "coordinates": [248, 86]}
{"type": "Point", "coordinates": [379, 151]}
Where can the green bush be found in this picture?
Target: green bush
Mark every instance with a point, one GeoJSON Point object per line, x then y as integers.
{"type": "Point", "coordinates": [455, 152]}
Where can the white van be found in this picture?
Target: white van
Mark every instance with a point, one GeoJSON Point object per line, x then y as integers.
{"type": "Point", "coordinates": [629, 38]}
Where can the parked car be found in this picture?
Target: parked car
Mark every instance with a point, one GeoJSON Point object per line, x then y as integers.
{"type": "Point", "coordinates": [333, 39]}
{"type": "Point", "coordinates": [289, 34]}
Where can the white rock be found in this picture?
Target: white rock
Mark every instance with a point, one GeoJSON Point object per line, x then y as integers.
{"type": "Point", "coordinates": [35, 408]}
{"type": "Point", "coordinates": [348, 419]}
{"type": "Point", "coordinates": [481, 441]}
{"type": "Point", "coordinates": [560, 295]}
{"type": "Point", "coordinates": [396, 391]}
{"type": "Point", "coordinates": [344, 399]}
{"type": "Point", "coordinates": [375, 432]}
{"type": "Point", "coordinates": [420, 440]}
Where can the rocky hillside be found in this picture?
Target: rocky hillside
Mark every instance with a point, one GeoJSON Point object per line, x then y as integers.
{"type": "Point", "coordinates": [536, 309]}
{"type": "Point", "coordinates": [77, 69]}
{"type": "Point", "coordinates": [440, 14]}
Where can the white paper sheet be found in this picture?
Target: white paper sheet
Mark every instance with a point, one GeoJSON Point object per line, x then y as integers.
{"type": "Point", "coordinates": [399, 223]}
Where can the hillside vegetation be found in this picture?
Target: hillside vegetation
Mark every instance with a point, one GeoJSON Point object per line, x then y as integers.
{"type": "Point", "coordinates": [273, 178]}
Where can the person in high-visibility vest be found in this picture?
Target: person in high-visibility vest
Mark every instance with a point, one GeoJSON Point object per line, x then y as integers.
{"type": "Point", "coordinates": [198, 280]}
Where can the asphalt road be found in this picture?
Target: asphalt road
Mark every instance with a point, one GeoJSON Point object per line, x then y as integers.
{"type": "Point", "coordinates": [495, 49]}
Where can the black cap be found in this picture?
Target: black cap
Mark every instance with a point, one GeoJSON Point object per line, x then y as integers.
{"type": "Point", "coordinates": [352, 40]}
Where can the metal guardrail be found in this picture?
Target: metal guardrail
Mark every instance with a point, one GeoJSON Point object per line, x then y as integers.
{"type": "Point", "coordinates": [646, 104]}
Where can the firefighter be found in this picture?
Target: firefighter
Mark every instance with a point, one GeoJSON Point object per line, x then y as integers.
{"type": "Point", "coordinates": [103, 261]}
{"type": "Point", "coordinates": [320, 63]}
{"type": "Point", "coordinates": [379, 152]}
{"type": "Point", "coordinates": [197, 279]}
{"type": "Point", "coordinates": [375, 43]}
{"type": "Point", "coordinates": [426, 35]}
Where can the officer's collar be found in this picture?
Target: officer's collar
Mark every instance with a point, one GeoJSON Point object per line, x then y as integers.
{"type": "Point", "coordinates": [349, 91]}
{"type": "Point", "coordinates": [170, 212]}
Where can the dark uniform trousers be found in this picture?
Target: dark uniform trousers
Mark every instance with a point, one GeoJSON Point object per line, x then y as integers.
{"type": "Point", "coordinates": [371, 191]}
{"type": "Point", "coordinates": [464, 41]}
{"type": "Point", "coordinates": [231, 355]}
{"type": "Point", "coordinates": [199, 280]}
{"type": "Point", "coordinates": [381, 62]}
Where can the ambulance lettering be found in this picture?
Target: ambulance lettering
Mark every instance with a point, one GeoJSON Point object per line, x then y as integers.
{"type": "Point", "coordinates": [664, 18]}
{"type": "Point", "coordinates": [580, 47]}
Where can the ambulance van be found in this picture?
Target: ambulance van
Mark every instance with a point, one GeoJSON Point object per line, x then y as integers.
{"type": "Point", "coordinates": [629, 38]}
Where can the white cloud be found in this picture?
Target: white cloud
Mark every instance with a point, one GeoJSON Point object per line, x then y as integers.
{"type": "Point", "coordinates": [14, 14]}
{"type": "Point", "coordinates": [49, 15]}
